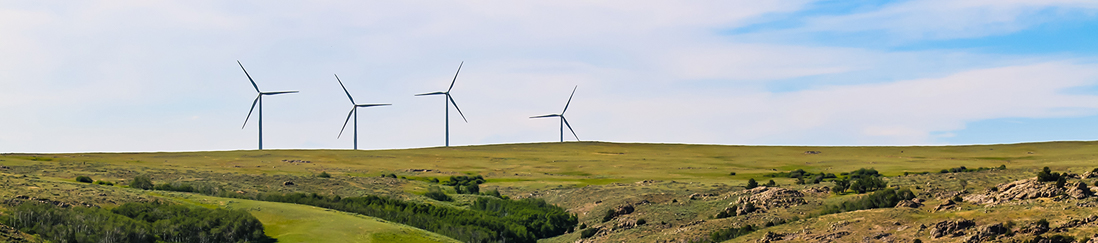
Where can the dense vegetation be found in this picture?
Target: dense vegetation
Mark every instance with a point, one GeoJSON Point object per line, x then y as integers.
{"type": "Point", "coordinates": [730, 233]}
{"type": "Point", "coordinates": [804, 177]}
{"type": "Point", "coordinates": [487, 220]}
{"type": "Point", "coordinates": [434, 192]}
{"type": "Point", "coordinates": [861, 181]}
{"type": "Point", "coordinates": [963, 169]}
{"type": "Point", "coordinates": [136, 222]}
{"type": "Point", "coordinates": [886, 198]}
{"type": "Point", "coordinates": [465, 184]}
{"type": "Point", "coordinates": [84, 179]}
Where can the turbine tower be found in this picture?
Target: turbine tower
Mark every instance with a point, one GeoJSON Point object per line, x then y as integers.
{"type": "Point", "coordinates": [258, 100]}
{"type": "Point", "coordinates": [449, 99]}
{"type": "Point", "coordinates": [563, 121]}
{"type": "Point", "coordinates": [354, 111]}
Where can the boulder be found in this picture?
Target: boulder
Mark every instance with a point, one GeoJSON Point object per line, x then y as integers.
{"type": "Point", "coordinates": [908, 204]}
{"type": "Point", "coordinates": [952, 228]}
{"type": "Point", "coordinates": [768, 198]}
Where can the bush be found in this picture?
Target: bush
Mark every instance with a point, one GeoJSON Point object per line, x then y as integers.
{"type": "Point", "coordinates": [434, 180]}
{"type": "Point", "coordinates": [641, 222]}
{"type": "Point", "coordinates": [434, 192]}
{"type": "Point", "coordinates": [771, 183]}
{"type": "Point", "coordinates": [136, 222]}
{"type": "Point", "coordinates": [608, 216]}
{"type": "Point", "coordinates": [142, 182]}
{"type": "Point", "coordinates": [587, 233]}
{"type": "Point", "coordinates": [583, 226]}
{"type": "Point", "coordinates": [751, 183]}
{"type": "Point", "coordinates": [734, 173]}
{"type": "Point", "coordinates": [1084, 188]}
{"type": "Point", "coordinates": [485, 220]}
{"type": "Point", "coordinates": [466, 184]}
{"type": "Point", "coordinates": [174, 187]}
{"type": "Point", "coordinates": [84, 179]}
{"type": "Point", "coordinates": [886, 198]}
{"type": "Point", "coordinates": [957, 199]}
{"type": "Point", "coordinates": [324, 174]}
{"type": "Point", "coordinates": [1060, 182]}
{"type": "Point", "coordinates": [1047, 175]}
{"type": "Point", "coordinates": [730, 233]}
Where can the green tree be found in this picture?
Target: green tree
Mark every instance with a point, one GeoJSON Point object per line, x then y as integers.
{"type": "Point", "coordinates": [751, 183]}
{"type": "Point", "coordinates": [142, 182]}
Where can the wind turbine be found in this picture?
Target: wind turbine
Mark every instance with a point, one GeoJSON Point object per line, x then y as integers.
{"type": "Point", "coordinates": [563, 121]}
{"type": "Point", "coordinates": [448, 101]}
{"type": "Point", "coordinates": [354, 111]}
{"type": "Point", "coordinates": [258, 100]}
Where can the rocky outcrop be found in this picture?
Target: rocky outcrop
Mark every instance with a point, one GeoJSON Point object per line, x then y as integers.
{"type": "Point", "coordinates": [1075, 223]}
{"type": "Point", "coordinates": [913, 203]}
{"type": "Point", "coordinates": [1035, 228]}
{"type": "Point", "coordinates": [771, 237]}
{"type": "Point", "coordinates": [953, 228]}
{"type": "Point", "coordinates": [989, 233]}
{"type": "Point", "coordinates": [768, 198]}
{"type": "Point", "coordinates": [1027, 189]}
{"type": "Point", "coordinates": [946, 205]}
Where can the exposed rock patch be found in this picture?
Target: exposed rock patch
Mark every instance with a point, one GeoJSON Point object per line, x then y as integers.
{"type": "Point", "coordinates": [989, 233]}
{"type": "Point", "coordinates": [913, 203]}
{"type": "Point", "coordinates": [951, 228]}
{"type": "Point", "coordinates": [768, 198]}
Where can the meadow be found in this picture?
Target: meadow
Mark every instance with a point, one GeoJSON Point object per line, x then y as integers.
{"type": "Point", "coordinates": [676, 188]}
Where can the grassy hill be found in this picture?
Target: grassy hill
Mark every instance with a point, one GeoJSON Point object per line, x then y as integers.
{"type": "Point", "coordinates": [590, 178]}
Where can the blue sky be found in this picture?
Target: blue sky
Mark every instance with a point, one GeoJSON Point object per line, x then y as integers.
{"type": "Point", "coordinates": [162, 76]}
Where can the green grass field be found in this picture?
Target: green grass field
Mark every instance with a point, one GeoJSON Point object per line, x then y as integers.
{"type": "Point", "coordinates": [299, 223]}
{"type": "Point", "coordinates": [587, 178]}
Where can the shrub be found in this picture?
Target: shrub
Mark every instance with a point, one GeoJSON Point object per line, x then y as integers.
{"type": "Point", "coordinates": [84, 179]}
{"type": "Point", "coordinates": [734, 173]}
{"type": "Point", "coordinates": [1047, 175]}
{"type": "Point", "coordinates": [324, 174]}
{"type": "Point", "coordinates": [494, 193]}
{"type": "Point", "coordinates": [957, 199]}
{"type": "Point", "coordinates": [608, 216]}
{"type": "Point", "coordinates": [641, 222]}
{"type": "Point", "coordinates": [730, 233]}
{"type": "Point", "coordinates": [434, 180]}
{"type": "Point", "coordinates": [751, 183]}
{"type": "Point", "coordinates": [886, 198]}
{"type": "Point", "coordinates": [1060, 182]}
{"type": "Point", "coordinates": [434, 192]}
{"type": "Point", "coordinates": [771, 183]}
{"type": "Point", "coordinates": [466, 184]}
{"type": "Point", "coordinates": [142, 182]}
{"type": "Point", "coordinates": [583, 226]}
{"type": "Point", "coordinates": [917, 241]}
{"type": "Point", "coordinates": [587, 233]}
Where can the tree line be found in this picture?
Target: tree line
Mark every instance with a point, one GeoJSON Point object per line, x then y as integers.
{"type": "Point", "coordinates": [137, 222]}
{"type": "Point", "coordinates": [487, 220]}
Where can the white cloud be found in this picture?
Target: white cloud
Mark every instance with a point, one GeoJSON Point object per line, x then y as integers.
{"type": "Point", "coordinates": [949, 19]}
{"type": "Point", "coordinates": [140, 76]}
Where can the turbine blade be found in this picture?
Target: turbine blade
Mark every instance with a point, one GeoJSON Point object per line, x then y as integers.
{"type": "Point", "coordinates": [249, 76]}
{"type": "Point", "coordinates": [372, 105]}
{"type": "Point", "coordinates": [345, 89]}
{"type": "Point", "coordinates": [569, 100]}
{"type": "Point", "coordinates": [250, 111]}
{"type": "Point", "coordinates": [278, 92]}
{"type": "Point", "coordinates": [456, 107]}
{"type": "Point", "coordinates": [455, 77]}
{"type": "Point", "coordinates": [345, 122]}
{"type": "Point", "coordinates": [544, 116]}
{"type": "Point", "coordinates": [432, 93]}
{"type": "Point", "coordinates": [570, 128]}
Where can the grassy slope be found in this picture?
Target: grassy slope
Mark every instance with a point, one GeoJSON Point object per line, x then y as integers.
{"type": "Point", "coordinates": [299, 223]}
{"type": "Point", "coordinates": [562, 172]}
{"type": "Point", "coordinates": [601, 163]}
